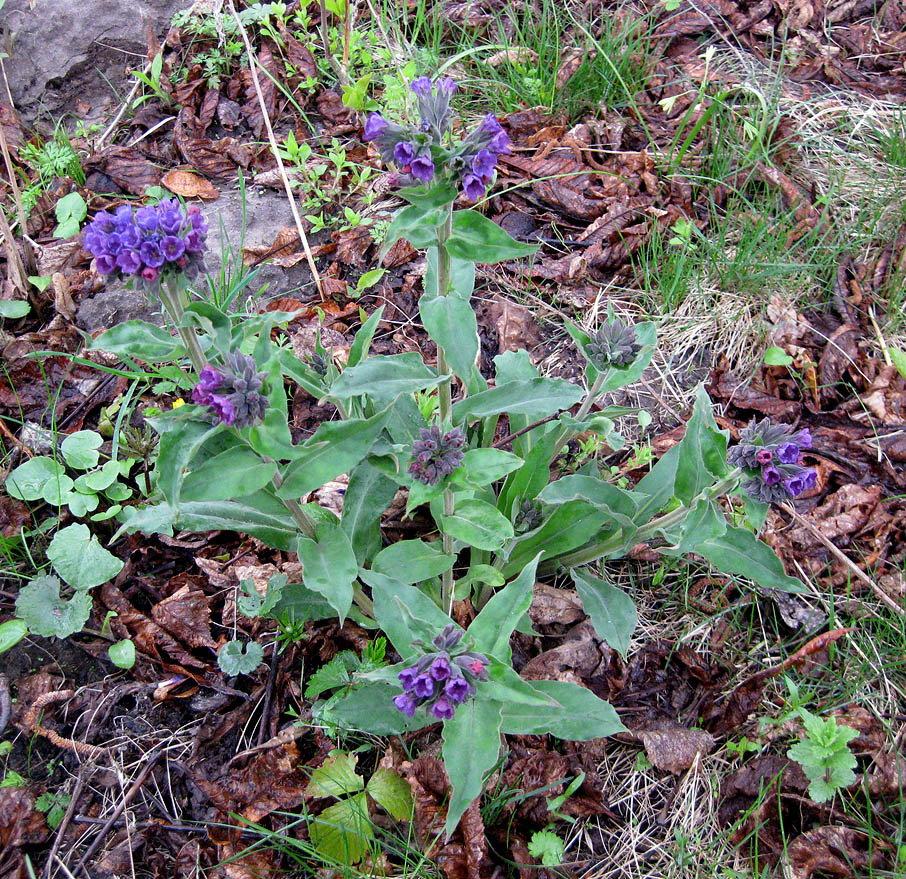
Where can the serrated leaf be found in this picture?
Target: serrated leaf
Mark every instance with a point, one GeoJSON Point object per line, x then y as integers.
{"type": "Point", "coordinates": [79, 558]}
{"type": "Point", "coordinates": [336, 777]}
{"type": "Point", "coordinates": [342, 831]}
{"type": "Point", "coordinates": [547, 847]}
{"type": "Point", "coordinates": [80, 449]}
{"type": "Point", "coordinates": [236, 658]}
{"type": "Point", "coordinates": [45, 613]}
{"type": "Point", "coordinates": [391, 793]}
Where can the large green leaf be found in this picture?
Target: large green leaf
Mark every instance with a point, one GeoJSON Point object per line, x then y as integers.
{"type": "Point", "coordinates": [583, 716]}
{"type": "Point", "coordinates": [138, 339]}
{"type": "Point", "coordinates": [427, 198]}
{"type": "Point", "coordinates": [385, 378]}
{"type": "Point", "coordinates": [739, 551]}
{"type": "Point", "coordinates": [260, 515]}
{"type": "Point", "coordinates": [47, 614]}
{"type": "Point", "coordinates": [403, 612]}
{"type": "Point", "coordinates": [493, 626]}
{"type": "Point", "coordinates": [611, 499]}
{"type": "Point", "coordinates": [611, 610]}
{"type": "Point", "coordinates": [703, 452]}
{"type": "Point", "coordinates": [329, 566]}
{"type": "Point", "coordinates": [368, 494]}
{"type": "Point", "coordinates": [411, 561]}
{"type": "Point", "coordinates": [546, 395]}
{"type": "Point", "coordinates": [451, 323]}
{"type": "Point", "coordinates": [178, 446]}
{"type": "Point", "coordinates": [478, 524]}
{"type": "Point", "coordinates": [517, 366]}
{"type": "Point", "coordinates": [392, 793]}
{"type": "Point", "coordinates": [29, 480]}
{"type": "Point", "coordinates": [358, 351]}
{"type": "Point", "coordinates": [334, 448]}
{"type": "Point", "coordinates": [335, 777]}
{"type": "Point", "coordinates": [470, 751]}
{"type": "Point", "coordinates": [462, 277]}
{"type": "Point", "coordinates": [483, 467]}
{"type": "Point", "coordinates": [78, 557]}
{"type": "Point", "coordinates": [371, 709]}
{"type": "Point", "coordinates": [481, 240]}
{"type": "Point", "coordinates": [655, 489]}
{"type": "Point", "coordinates": [704, 522]}
{"type": "Point", "coordinates": [417, 225]}
{"type": "Point", "coordinates": [235, 472]}
{"type": "Point", "coordinates": [341, 832]}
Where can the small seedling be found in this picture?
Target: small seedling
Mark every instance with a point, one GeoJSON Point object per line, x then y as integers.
{"type": "Point", "coordinates": [824, 755]}
{"type": "Point", "coordinates": [547, 847]}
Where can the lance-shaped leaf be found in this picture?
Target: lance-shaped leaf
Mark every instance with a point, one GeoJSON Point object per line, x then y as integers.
{"type": "Point", "coordinates": [611, 610]}
{"type": "Point", "coordinates": [481, 240]}
{"type": "Point", "coordinates": [329, 566]}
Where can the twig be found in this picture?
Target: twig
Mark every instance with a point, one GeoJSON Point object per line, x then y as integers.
{"type": "Point", "coordinates": [253, 68]}
{"type": "Point", "coordinates": [83, 749]}
{"type": "Point", "coordinates": [128, 797]}
{"type": "Point", "coordinates": [268, 696]}
{"type": "Point", "coordinates": [6, 705]}
{"type": "Point", "coordinates": [854, 568]}
{"type": "Point", "coordinates": [509, 438]}
{"type": "Point", "coordinates": [119, 113]}
{"type": "Point", "coordinates": [64, 824]}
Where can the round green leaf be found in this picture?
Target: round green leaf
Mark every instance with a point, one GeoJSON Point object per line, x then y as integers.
{"type": "Point", "coordinates": [11, 633]}
{"type": "Point", "coordinates": [27, 481]}
{"type": "Point", "coordinates": [122, 654]}
{"type": "Point", "coordinates": [80, 449]}
{"type": "Point", "coordinates": [45, 613]}
{"type": "Point", "coordinates": [79, 558]}
{"type": "Point", "coordinates": [236, 658]}
{"type": "Point", "coordinates": [56, 491]}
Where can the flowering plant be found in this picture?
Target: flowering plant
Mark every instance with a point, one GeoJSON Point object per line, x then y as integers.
{"type": "Point", "coordinates": [502, 516]}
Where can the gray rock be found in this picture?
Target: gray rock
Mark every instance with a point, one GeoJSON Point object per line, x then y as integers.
{"type": "Point", "coordinates": [62, 49]}
{"type": "Point", "coordinates": [114, 304]}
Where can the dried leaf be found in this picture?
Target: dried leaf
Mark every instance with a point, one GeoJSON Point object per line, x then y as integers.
{"type": "Point", "coordinates": [672, 747]}
{"type": "Point", "coordinates": [189, 185]}
{"type": "Point", "coordinates": [126, 167]}
{"type": "Point", "coordinates": [831, 851]}
{"type": "Point", "coordinates": [187, 615]}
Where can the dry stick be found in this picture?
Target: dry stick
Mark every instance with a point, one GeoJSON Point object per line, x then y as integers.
{"type": "Point", "coordinates": [6, 703]}
{"type": "Point", "coordinates": [64, 824]}
{"type": "Point", "coordinates": [268, 696]}
{"type": "Point", "coordinates": [896, 608]}
{"type": "Point", "coordinates": [16, 270]}
{"type": "Point", "coordinates": [253, 68]}
{"type": "Point", "coordinates": [128, 797]}
{"type": "Point", "coordinates": [119, 113]}
{"type": "Point", "coordinates": [510, 437]}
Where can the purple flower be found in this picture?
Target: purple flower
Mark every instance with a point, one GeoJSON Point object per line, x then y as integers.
{"type": "Point", "coordinates": [446, 86]}
{"type": "Point", "coordinates": [200, 396]}
{"type": "Point", "coordinates": [169, 217]}
{"type": "Point", "coordinates": [802, 438]}
{"type": "Point", "coordinates": [146, 219]}
{"type": "Point", "coordinates": [788, 453]}
{"type": "Point", "coordinates": [443, 708]}
{"type": "Point", "coordinates": [114, 243]}
{"type": "Point", "coordinates": [106, 263]}
{"type": "Point", "coordinates": [151, 254]}
{"type": "Point", "coordinates": [764, 456]}
{"type": "Point", "coordinates": [375, 126]}
{"type": "Point", "coordinates": [222, 408]}
{"type": "Point", "coordinates": [436, 455]}
{"type": "Point", "coordinates": [473, 187]}
{"type": "Point", "coordinates": [403, 153]}
{"type": "Point", "coordinates": [407, 678]}
{"type": "Point", "coordinates": [95, 240]}
{"type": "Point", "coordinates": [149, 274]}
{"type": "Point", "coordinates": [406, 704]}
{"type": "Point", "coordinates": [173, 247]}
{"type": "Point", "coordinates": [457, 690]}
{"type": "Point", "coordinates": [500, 143]}
{"type": "Point", "coordinates": [194, 242]}
{"type": "Point", "coordinates": [130, 237]}
{"type": "Point", "coordinates": [800, 482]}
{"type": "Point", "coordinates": [483, 163]}
{"type": "Point", "coordinates": [103, 222]}
{"type": "Point", "coordinates": [122, 216]}
{"type": "Point", "coordinates": [209, 379]}
{"type": "Point", "coordinates": [128, 261]}
{"type": "Point", "coordinates": [421, 86]}
{"type": "Point", "coordinates": [423, 686]}
{"type": "Point", "coordinates": [490, 125]}
{"type": "Point", "coordinates": [422, 168]}
{"type": "Point", "coordinates": [770, 474]}
{"type": "Point", "coordinates": [440, 669]}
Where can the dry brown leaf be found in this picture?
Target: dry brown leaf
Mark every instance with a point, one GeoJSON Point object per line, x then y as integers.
{"type": "Point", "coordinates": [551, 605]}
{"type": "Point", "coordinates": [189, 185]}
{"type": "Point", "coordinates": [832, 851]}
{"type": "Point", "coordinates": [515, 324]}
{"type": "Point", "coordinates": [187, 615]}
{"type": "Point", "coordinates": [670, 746]}
{"type": "Point", "coordinates": [582, 655]}
{"type": "Point", "coordinates": [517, 55]}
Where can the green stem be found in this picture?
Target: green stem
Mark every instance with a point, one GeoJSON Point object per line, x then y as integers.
{"type": "Point", "coordinates": [584, 409]}
{"type": "Point", "coordinates": [445, 397]}
{"type": "Point", "coordinates": [306, 524]}
{"type": "Point", "coordinates": [172, 302]}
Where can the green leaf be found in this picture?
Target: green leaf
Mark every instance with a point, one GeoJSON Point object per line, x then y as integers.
{"type": "Point", "coordinates": [547, 847]}
{"type": "Point", "coordinates": [478, 524]}
{"type": "Point", "coordinates": [739, 551]}
{"type": "Point", "coordinates": [411, 561]}
{"type": "Point", "coordinates": [81, 504]}
{"type": "Point", "coordinates": [483, 467]}
{"type": "Point", "coordinates": [777, 357]}
{"type": "Point", "coordinates": [371, 709]}
{"type": "Point", "coordinates": [69, 211]}
{"type": "Point", "coordinates": [138, 339]}
{"type": "Point", "coordinates": [617, 502]}
{"type": "Point", "coordinates": [504, 685]}
{"type": "Point", "coordinates": [80, 449]}
{"type": "Point", "coordinates": [329, 566]}
{"type": "Point", "coordinates": [260, 514]}
{"type": "Point", "coordinates": [236, 471]}
{"type": "Point", "coordinates": [341, 832]}
{"type": "Point", "coordinates": [493, 626]}
{"type": "Point", "coordinates": [369, 279]}
{"type": "Point", "coordinates": [429, 197]}
{"type": "Point", "coordinates": [335, 447]}
{"type": "Point", "coordinates": [391, 793]}
{"type": "Point", "coordinates": [462, 277]}
{"type": "Point", "coordinates": [368, 494]}
{"type": "Point", "coordinates": [13, 309]}
{"type": "Point", "coordinates": [481, 240]}
{"type": "Point", "coordinates": [547, 395]}
{"type": "Point", "coordinates": [79, 558]}
{"type": "Point", "coordinates": [336, 777]}
{"type": "Point", "coordinates": [178, 447]}
{"type": "Point", "coordinates": [252, 604]}
{"type": "Point", "coordinates": [11, 633]}
{"type": "Point", "coordinates": [122, 654]}
{"type": "Point", "coordinates": [236, 658]}
{"type": "Point", "coordinates": [47, 614]}
{"type": "Point", "coordinates": [655, 489]}
{"type": "Point", "coordinates": [40, 282]}
{"type": "Point", "coordinates": [385, 378]}
{"type": "Point", "coordinates": [99, 479]}
{"type": "Point", "coordinates": [898, 359]}
{"type": "Point", "coordinates": [451, 323]}
{"type": "Point", "coordinates": [470, 751]}
{"type": "Point", "coordinates": [358, 351]}
{"type": "Point", "coordinates": [611, 610]}
{"type": "Point", "coordinates": [57, 491]}
{"type": "Point", "coordinates": [417, 225]}
{"type": "Point", "coordinates": [298, 604]}
{"type": "Point", "coordinates": [704, 522]}
{"type": "Point", "coordinates": [28, 480]}
{"type": "Point", "coordinates": [403, 612]}
{"type": "Point", "coordinates": [583, 715]}
{"type": "Point", "coordinates": [621, 376]}
{"type": "Point", "coordinates": [703, 452]}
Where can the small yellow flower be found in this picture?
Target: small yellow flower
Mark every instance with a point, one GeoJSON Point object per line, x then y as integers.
{"type": "Point", "coordinates": [178, 403]}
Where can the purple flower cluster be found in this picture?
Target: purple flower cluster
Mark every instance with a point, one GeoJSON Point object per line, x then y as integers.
{"type": "Point", "coordinates": [149, 242]}
{"type": "Point", "coordinates": [443, 679]}
{"type": "Point", "coordinates": [233, 395]}
{"type": "Point", "coordinates": [772, 455]}
{"type": "Point", "coordinates": [418, 152]}
{"type": "Point", "coordinates": [436, 455]}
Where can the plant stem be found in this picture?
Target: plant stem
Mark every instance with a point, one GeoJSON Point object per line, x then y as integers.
{"type": "Point", "coordinates": [584, 409]}
{"type": "Point", "coordinates": [172, 302]}
{"type": "Point", "coordinates": [445, 397]}
{"type": "Point", "coordinates": [306, 524]}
